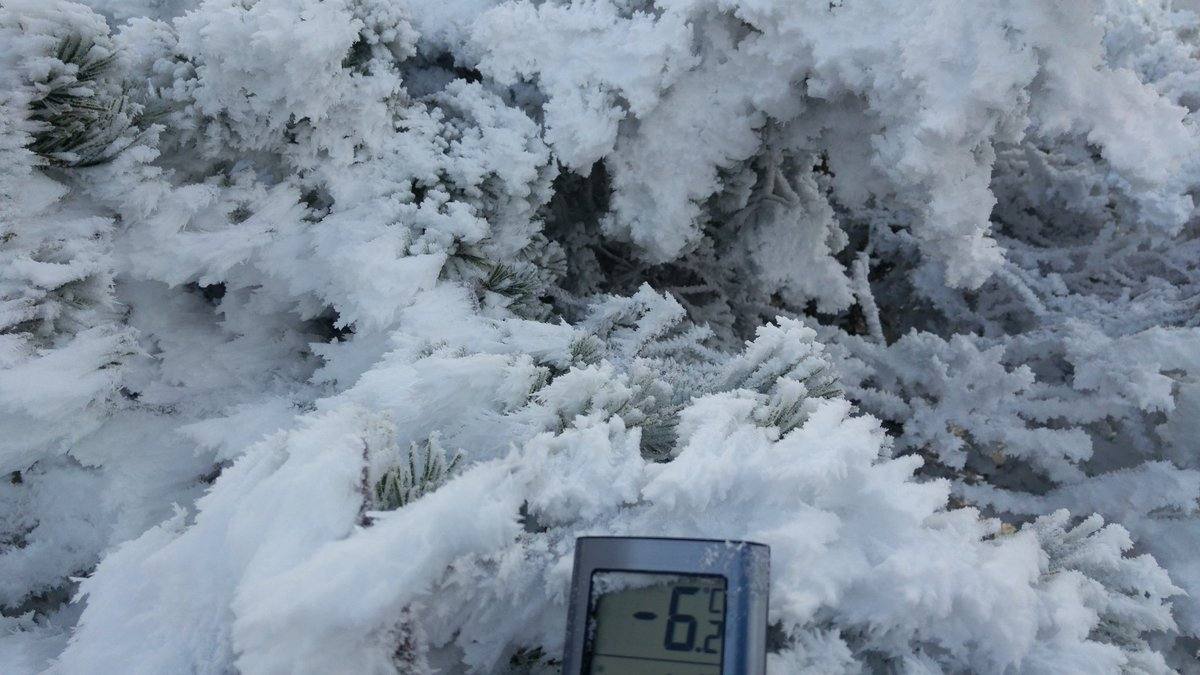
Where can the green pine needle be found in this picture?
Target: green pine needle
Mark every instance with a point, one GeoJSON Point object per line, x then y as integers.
{"type": "Point", "coordinates": [82, 108]}
{"type": "Point", "coordinates": [426, 470]}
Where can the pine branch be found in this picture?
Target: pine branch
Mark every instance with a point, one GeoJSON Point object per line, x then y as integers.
{"type": "Point", "coordinates": [426, 469]}
{"type": "Point", "coordinates": [83, 110]}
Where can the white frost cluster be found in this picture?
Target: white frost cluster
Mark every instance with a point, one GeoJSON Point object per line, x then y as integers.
{"type": "Point", "coordinates": [326, 326]}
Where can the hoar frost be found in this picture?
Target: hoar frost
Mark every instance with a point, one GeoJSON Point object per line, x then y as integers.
{"type": "Point", "coordinates": [327, 326]}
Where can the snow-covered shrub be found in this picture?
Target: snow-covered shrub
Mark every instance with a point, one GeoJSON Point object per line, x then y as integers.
{"type": "Point", "coordinates": [340, 319]}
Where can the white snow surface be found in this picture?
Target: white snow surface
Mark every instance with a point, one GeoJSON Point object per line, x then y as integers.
{"type": "Point", "coordinates": [907, 290]}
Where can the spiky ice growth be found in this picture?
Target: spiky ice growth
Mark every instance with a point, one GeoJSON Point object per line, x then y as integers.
{"type": "Point", "coordinates": [339, 320]}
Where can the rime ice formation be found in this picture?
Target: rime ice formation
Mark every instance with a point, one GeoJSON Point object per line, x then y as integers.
{"type": "Point", "coordinates": [327, 325]}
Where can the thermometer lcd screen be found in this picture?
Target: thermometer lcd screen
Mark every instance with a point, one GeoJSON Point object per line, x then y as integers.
{"type": "Point", "coordinates": [655, 624]}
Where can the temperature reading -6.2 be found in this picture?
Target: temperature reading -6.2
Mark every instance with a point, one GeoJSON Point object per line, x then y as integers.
{"type": "Point", "coordinates": [655, 624]}
{"type": "Point", "coordinates": [683, 627]}
{"type": "Point", "coordinates": [662, 606]}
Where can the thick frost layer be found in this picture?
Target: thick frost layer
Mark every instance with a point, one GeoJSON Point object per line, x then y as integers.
{"type": "Point", "coordinates": [339, 320]}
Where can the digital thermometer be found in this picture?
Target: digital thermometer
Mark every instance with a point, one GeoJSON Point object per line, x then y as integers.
{"type": "Point", "coordinates": [655, 606]}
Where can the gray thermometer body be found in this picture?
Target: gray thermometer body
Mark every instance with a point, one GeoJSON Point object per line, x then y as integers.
{"type": "Point", "coordinates": [657, 606]}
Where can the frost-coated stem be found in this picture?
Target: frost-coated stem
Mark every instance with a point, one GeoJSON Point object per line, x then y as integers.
{"type": "Point", "coordinates": [866, 300]}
